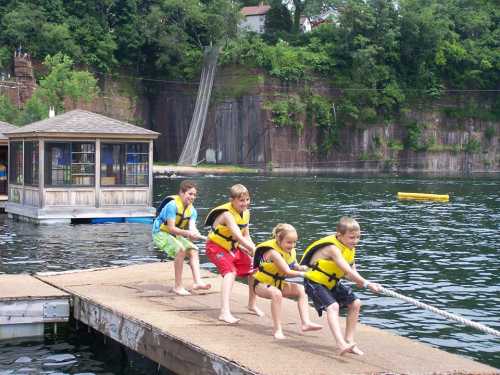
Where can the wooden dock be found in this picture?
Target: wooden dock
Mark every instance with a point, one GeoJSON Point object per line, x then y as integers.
{"type": "Point", "coordinates": [27, 304]}
{"type": "Point", "coordinates": [135, 306]}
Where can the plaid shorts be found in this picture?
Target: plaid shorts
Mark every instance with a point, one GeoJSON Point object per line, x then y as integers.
{"type": "Point", "coordinates": [172, 245]}
{"type": "Point", "coordinates": [322, 297]}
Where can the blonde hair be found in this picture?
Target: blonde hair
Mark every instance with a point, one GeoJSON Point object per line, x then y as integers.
{"type": "Point", "coordinates": [238, 191]}
{"type": "Point", "coordinates": [347, 224]}
{"type": "Point", "coordinates": [281, 230]}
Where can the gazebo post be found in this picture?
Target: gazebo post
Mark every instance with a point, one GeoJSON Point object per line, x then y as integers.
{"type": "Point", "coordinates": [41, 171]}
{"type": "Point", "coordinates": [150, 195]}
{"type": "Point", "coordinates": [97, 172]}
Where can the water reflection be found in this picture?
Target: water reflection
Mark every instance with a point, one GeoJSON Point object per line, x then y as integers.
{"type": "Point", "coordinates": [77, 352]}
{"type": "Point", "coordinates": [27, 248]}
{"type": "Point", "coordinates": [444, 254]}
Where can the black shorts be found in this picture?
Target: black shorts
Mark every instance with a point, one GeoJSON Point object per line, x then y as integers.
{"type": "Point", "coordinates": [323, 297]}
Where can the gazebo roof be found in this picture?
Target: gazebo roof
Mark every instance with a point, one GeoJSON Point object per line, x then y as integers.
{"type": "Point", "coordinates": [4, 128]}
{"type": "Point", "coordinates": [79, 123]}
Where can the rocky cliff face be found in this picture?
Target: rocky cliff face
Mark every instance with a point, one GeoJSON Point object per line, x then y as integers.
{"type": "Point", "coordinates": [240, 130]}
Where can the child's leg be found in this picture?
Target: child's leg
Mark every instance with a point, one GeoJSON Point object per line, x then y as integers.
{"type": "Point", "coordinates": [252, 297]}
{"type": "Point", "coordinates": [332, 315]}
{"type": "Point", "coordinates": [274, 294]}
{"type": "Point", "coordinates": [295, 290]}
{"type": "Point", "coordinates": [194, 263]}
{"type": "Point", "coordinates": [351, 322]}
{"type": "Point", "coordinates": [227, 287]}
{"type": "Point", "coordinates": [178, 267]}
{"type": "Point", "coordinates": [243, 264]}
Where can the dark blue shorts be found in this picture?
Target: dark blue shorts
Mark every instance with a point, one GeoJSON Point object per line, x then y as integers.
{"type": "Point", "coordinates": [322, 297]}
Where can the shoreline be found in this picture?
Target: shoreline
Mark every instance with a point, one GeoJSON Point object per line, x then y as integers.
{"type": "Point", "coordinates": [173, 170]}
{"type": "Point", "coordinates": [169, 170]}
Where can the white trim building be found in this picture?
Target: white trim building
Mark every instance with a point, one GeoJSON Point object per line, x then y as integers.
{"type": "Point", "coordinates": [254, 18]}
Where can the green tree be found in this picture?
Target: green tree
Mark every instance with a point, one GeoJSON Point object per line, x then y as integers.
{"type": "Point", "coordinates": [178, 29]}
{"type": "Point", "coordinates": [5, 58]}
{"type": "Point", "coordinates": [35, 109]}
{"type": "Point", "coordinates": [21, 25]}
{"type": "Point", "coordinates": [8, 113]}
{"type": "Point", "coordinates": [125, 21]}
{"type": "Point", "coordinates": [278, 20]}
{"type": "Point", "coordinates": [62, 82]}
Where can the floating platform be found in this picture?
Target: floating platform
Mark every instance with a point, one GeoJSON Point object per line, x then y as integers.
{"type": "Point", "coordinates": [27, 304]}
{"type": "Point", "coordinates": [135, 305]}
{"type": "Point", "coordinates": [106, 220]}
{"type": "Point", "coordinates": [424, 197]}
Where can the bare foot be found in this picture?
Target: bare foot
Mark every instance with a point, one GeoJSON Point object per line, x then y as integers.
{"type": "Point", "coordinates": [181, 292]}
{"type": "Point", "coordinates": [228, 319]}
{"type": "Point", "coordinates": [346, 349]}
{"type": "Point", "coordinates": [356, 350]}
{"type": "Point", "coordinates": [310, 327]}
{"type": "Point", "coordinates": [256, 310]}
{"type": "Point", "coordinates": [201, 286]}
{"type": "Point", "coordinates": [278, 335]}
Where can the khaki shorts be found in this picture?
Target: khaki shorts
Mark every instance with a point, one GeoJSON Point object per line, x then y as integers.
{"type": "Point", "coordinates": [172, 245]}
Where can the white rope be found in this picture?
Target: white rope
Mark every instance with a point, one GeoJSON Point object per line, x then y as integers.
{"type": "Point", "coordinates": [446, 314]}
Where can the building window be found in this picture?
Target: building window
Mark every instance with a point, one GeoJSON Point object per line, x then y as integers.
{"type": "Point", "coordinates": [70, 164]}
{"type": "Point", "coordinates": [31, 163]}
{"type": "Point", "coordinates": [125, 164]}
{"type": "Point", "coordinates": [16, 163]}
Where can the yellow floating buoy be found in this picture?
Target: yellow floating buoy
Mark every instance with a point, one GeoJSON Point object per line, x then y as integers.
{"type": "Point", "coordinates": [424, 197]}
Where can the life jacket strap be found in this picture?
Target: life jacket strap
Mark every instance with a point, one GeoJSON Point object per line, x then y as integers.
{"type": "Point", "coordinates": [331, 277]}
{"type": "Point", "coordinates": [229, 239]}
{"type": "Point", "coordinates": [278, 279]}
{"type": "Point", "coordinates": [183, 218]}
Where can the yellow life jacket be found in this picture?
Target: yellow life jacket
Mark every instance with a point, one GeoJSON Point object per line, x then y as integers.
{"type": "Point", "coordinates": [268, 273]}
{"type": "Point", "coordinates": [325, 271]}
{"type": "Point", "coordinates": [182, 216]}
{"type": "Point", "coordinates": [221, 235]}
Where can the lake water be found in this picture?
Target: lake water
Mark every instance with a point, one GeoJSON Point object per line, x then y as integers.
{"type": "Point", "coordinates": [444, 254]}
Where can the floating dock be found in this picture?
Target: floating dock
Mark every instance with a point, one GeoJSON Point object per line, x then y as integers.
{"type": "Point", "coordinates": [135, 305]}
{"type": "Point", "coordinates": [28, 304]}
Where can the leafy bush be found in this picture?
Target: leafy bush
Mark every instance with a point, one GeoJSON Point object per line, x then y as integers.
{"type": "Point", "coordinates": [414, 139]}
{"type": "Point", "coordinates": [489, 133]}
{"type": "Point", "coordinates": [395, 145]}
{"type": "Point", "coordinates": [473, 146]}
{"type": "Point", "coordinates": [8, 113]}
{"type": "Point", "coordinates": [287, 112]}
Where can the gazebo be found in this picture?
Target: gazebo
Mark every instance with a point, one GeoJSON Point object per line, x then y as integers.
{"type": "Point", "coordinates": [4, 157]}
{"type": "Point", "coordinates": [79, 166]}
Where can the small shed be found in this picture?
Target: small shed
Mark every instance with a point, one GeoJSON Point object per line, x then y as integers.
{"type": "Point", "coordinates": [4, 157]}
{"type": "Point", "coordinates": [80, 165]}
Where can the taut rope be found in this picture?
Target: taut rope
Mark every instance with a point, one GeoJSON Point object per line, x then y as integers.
{"type": "Point", "coordinates": [446, 314]}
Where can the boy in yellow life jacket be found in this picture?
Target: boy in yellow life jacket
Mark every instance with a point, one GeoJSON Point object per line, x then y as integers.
{"type": "Point", "coordinates": [275, 260]}
{"type": "Point", "coordinates": [331, 259]}
{"type": "Point", "coordinates": [230, 247]}
{"type": "Point", "coordinates": [173, 230]}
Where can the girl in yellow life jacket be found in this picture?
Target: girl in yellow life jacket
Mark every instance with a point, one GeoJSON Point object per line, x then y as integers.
{"type": "Point", "coordinates": [173, 230]}
{"type": "Point", "coordinates": [331, 259]}
{"type": "Point", "coordinates": [275, 260]}
{"type": "Point", "coordinates": [230, 248]}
